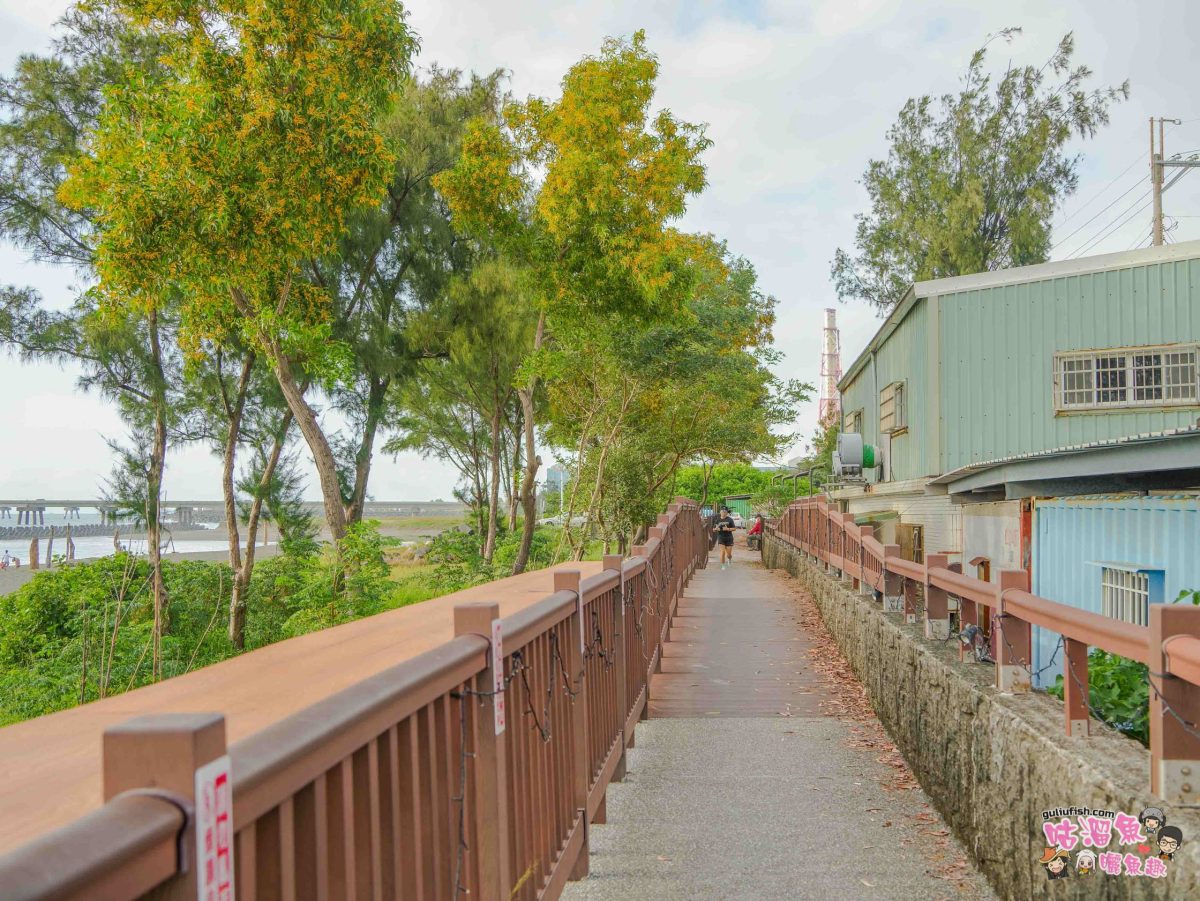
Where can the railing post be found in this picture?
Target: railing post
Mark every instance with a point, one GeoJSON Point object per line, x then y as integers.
{"type": "Point", "coordinates": [162, 752]}
{"type": "Point", "coordinates": [937, 609]}
{"type": "Point", "coordinates": [893, 583]}
{"type": "Point", "coordinates": [568, 580]}
{"type": "Point", "coordinates": [639, 550]}
{"type": "Point", "coordinates": [1174, 748]}
{"type": "Point", "coordinates": [1075, 687]}
{"type": "Point", "coordinates": [1014, 638]}
{"type": "Point", "coordinates": [910, 601]}
{"type": "Point", "coordinates": [489, 758]}
{"type": "Point", "coordinates": [864, 587]}
{"type": "Point", "coordinates": [617, 562]}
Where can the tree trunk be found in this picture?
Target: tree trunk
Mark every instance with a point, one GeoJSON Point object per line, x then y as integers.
{"type": "Point", "coordinates": [376, 394]}
{"type": "Point", "coordinates": [318, 444]}
{"type": "Point", "coordinates": [514, 487]}
{"type": "Point", "coordinates": [707, 470]}
{"type": "Point", "coordinates": [158, 455]}
{"type": "Point", "coordinates": [493, 507]}
{"type": "Point", "coordinates": [528, 496]}
{"type": "Point", "coordinates": [532, 460]}
{"type": "Point", "coordinates": [235, 411]}
{"type": "Point", "coordinates": [241, 575]}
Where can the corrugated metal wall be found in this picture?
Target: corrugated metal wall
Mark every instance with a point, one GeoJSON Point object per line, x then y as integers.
{"type": "Point", "coordinates": [998, 347]}
{"type": "Point", "coordinates": [1072, 535]}
{"type": "Point", "coordinates": [900, 358]}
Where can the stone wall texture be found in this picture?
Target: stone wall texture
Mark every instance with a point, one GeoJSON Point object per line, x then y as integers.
{"type": "Point", "coordinates": [992, 762]}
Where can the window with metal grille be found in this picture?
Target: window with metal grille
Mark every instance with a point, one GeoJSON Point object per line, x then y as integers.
{"type": "Point", "coordinates": [1152, 376]}
{"type": "Point", "coordinates": [1126, 595]}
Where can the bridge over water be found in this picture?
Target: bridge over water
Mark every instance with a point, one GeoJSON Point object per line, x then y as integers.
{"type": "Point", "coordinates": [646, 727]}
{"type": "Point", "coordinates": [30, 510]}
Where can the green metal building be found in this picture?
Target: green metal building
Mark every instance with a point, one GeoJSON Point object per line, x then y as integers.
{"type": "Point", "coordinates": [992, 388]}
{"type": "Point", "coordinates": [982, 361]}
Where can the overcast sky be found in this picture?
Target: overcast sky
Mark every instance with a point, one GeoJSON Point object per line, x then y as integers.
{"type": "Point", "coordinates": [797, 97]}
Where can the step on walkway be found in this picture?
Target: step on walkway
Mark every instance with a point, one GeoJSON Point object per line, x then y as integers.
{"type": "Point", "coordinates": [739, 787]}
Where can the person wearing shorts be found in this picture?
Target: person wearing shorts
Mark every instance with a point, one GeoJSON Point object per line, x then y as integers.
{"type": "Point", "coordinates": [724, 529]}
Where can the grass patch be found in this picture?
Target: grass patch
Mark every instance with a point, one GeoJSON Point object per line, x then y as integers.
{"type": "Point", "coordinates": [422, 524]}
{"type": "Point", "coordinates": [414, 583]}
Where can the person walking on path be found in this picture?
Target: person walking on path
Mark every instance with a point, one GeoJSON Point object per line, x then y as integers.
{"type": "Point", "coordinates": [724, 529]}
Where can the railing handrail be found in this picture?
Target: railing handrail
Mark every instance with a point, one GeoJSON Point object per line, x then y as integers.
{"type": "Point", "coordinates": [1171, 643]}
{"type": "Point", "coordinates": [874, 547]}
{"type": "Point", "coordinates": [132, 843]}
{"type": "Point", "coordinates": [1183, 657]}
{"type": "Point", "coordinates": [971, 588]}
{"type": "Point", "coordinates": [1093, 629]}
{"type": "Point", "coordinates": [522, 627]}
{"type": "Point", "coordinates": [122, 849]}
{"type": "Point", "coordinates": [272, 764]}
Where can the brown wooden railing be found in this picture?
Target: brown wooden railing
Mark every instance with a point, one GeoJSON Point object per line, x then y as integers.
{"type": "Point", "coordinates": [1169, 646]}
{"type": "Point", "coordinates": [403, 785]}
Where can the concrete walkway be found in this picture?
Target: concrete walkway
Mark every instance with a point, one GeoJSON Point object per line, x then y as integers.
{"type": "Point", "coordinates": [741, 787]}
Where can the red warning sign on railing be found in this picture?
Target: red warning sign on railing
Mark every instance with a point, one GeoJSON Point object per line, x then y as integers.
{"type": "Point", "coordinates": [214, 832]}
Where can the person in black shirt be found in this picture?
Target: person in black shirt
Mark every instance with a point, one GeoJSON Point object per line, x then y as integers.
{"type": "Point", "coordinates": [724, 529]}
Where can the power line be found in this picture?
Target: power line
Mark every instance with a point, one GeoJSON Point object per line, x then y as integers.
{"type": "Point", "coordinates": [1062, 241]}
{"type": "Point", "coordinates": [1137, 159]}
{"type": "Point", "coordinates": [1137, 242]}
{"type": "Point", "coordinates": [1118, 224]}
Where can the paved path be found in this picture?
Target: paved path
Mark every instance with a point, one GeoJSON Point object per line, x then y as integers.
{"type": "Point", "coordinates": [741, 788]}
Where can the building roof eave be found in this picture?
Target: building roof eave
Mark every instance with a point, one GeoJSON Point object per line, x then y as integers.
{"type": "Point", "coordinates": [1174, 449]}
{"type": "Point", "coordinates": [907, 302]}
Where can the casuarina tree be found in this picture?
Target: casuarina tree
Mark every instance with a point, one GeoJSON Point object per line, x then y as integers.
{"type": "Point", "coordinates": [971, 180]}
{"type": "Point", "coordinates": [220, 178]}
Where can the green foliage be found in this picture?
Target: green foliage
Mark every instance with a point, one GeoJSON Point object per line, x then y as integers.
{"type": "Point", "coordinates": [343, 581]}
{"type": "Point", "coordinates": [972, 185]}
{"type": "Point", "coordinates": [593, 231]}
{"type": "Point", "coordinates": [1118, 692]}
{"type": "Point", "coordinates": [82, 632]}
{"type": "Point", "coordinates": [723, 479]}
{"type": "Point", "coordinates": [458, 561]}
{"type": "Point", "coordinates": [773, 500]}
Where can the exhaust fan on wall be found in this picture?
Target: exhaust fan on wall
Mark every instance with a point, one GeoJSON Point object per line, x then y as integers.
{"type": "Point", "coordinates": [853, 456]}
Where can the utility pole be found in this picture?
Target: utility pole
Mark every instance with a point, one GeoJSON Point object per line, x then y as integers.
{"type": "Point", "coordinates": [1158, 169]}
{"type": "Point", "coordinates": [1156, 181]}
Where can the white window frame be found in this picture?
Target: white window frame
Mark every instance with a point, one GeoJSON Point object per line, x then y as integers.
{"type": "Point", "coordinates": [1125, 594]}
{"type": "Point", "coordinates": [893, 409]}
{"type": "Point", "coordinates": [1119, 378]}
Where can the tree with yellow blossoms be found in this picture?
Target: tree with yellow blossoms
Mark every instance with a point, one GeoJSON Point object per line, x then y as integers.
{"type": "Point", "coordinates": [213, 184]}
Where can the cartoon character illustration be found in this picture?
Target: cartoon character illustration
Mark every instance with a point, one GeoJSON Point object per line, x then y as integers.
{"type": "Point", "coordinates": [1152, 819]}
{"type": "Point", "coordinates": [1169, 840]}
{"type": "Point", "coordinates": [1055, 861]}
{"type": "Point", "coordinates": [1085, 862]}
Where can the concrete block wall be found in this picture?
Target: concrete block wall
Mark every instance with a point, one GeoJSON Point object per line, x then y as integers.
{"type": "Point", "coordinates": [992, 762]}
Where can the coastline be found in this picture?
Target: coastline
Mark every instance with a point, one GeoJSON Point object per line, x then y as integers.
{"type": "Point", "coordinates": [11, 579]}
